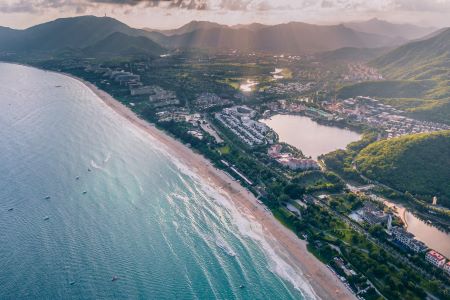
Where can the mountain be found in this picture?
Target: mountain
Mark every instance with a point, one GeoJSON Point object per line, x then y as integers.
{"type": "Point", "coordinates": [252, 26]}
{"type": "Point", "coordinates": [77, 32]}
{"type": "Point", "coordinates": [389, 162]}
{"type": "Point", "coordinates": [433, 34]}
{"type": "Point", "coordinates": [352, 54]}
{"type": "Point", "coordinates": [8, 35]}
{"type": "Point", "coordinates": [423, 59]}
{"type": "Point", "coordinates": [389, 89]}
{"type": "Point", "coordinates": [117, 44]}
{"type": "Point", "coordinates": [189, 27]}
{"type": "Point", "coordinates": [418, 76]}
{"type": "Point", "coordinates": [380, 27]}
{"type": "Point", "coordinates": [292, 37]}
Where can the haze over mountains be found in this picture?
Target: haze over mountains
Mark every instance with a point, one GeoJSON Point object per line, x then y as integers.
{"type": "Point", "coordinates": [295, 37]}
{"type": "Point", "coordinates": [380, 27]}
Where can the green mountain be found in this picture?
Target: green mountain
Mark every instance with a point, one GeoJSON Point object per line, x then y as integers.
{"type": "Point", "coordinates": [418, 76]}
{"type": "Point", "coordinates": [419, 164]}
{"type": "Point", "coordinates": [424, 59]}
{"type": "Point", "coordinates": [77, 32]}
{"type": "Point", "coordinates": [119, 44]}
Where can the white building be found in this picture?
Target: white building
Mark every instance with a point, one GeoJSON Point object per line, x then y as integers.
{"type": "Point", "coordinates": [298, 164]}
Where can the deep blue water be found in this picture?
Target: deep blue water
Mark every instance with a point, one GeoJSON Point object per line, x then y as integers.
{"type": "Point", "coordinates": [143, 219]}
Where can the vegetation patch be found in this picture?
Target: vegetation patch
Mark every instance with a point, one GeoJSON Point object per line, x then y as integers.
{"type": "Point", "coordinates": [417, 163]}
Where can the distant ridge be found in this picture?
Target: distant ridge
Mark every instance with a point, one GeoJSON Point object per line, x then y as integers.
{"type": "Point", "coordinates": [380, 27]}
{"type": "Point", "coordinates": [293, 37]}
{"type": "Point", "coordinates": [189, 27]}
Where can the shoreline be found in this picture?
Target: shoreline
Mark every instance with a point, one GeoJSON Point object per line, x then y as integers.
{"type": "Point", "coordinates": [284, 242]}
{"type": "Point", "coordinates": [325, 284]}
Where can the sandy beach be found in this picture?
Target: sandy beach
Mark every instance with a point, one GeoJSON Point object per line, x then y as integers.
{"type": "Point", "coordinates": [324, 283]}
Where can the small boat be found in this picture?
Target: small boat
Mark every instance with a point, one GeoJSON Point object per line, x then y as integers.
{"type": "Point", "coordinates": [84, 192]}
{"type": "Point", "coordinates": [46, 218]}
{"type": "Point", "coordinates": [78, 177]}
{"type": "Point", "coordinates": [89, 170]}
{"type": "Point", "coordinates": [10, 209]}
{"type": "Point", "coordinates": [242, 286]}
{"type": "Point", "coordinates": [72, 282]}
{"type": "Point", "coordinates": [114, 278]}
{"type": "Point", "coordinates": [47, 197]}
{"type": "Point", "coordinates": [58, 86]}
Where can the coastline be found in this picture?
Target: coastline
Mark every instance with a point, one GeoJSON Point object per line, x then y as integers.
{"type": "Point", "coordinates": [324, 283]}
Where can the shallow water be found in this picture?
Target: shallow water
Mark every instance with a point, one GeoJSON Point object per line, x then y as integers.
{"type": "Point", "coordinates": [144, 218]}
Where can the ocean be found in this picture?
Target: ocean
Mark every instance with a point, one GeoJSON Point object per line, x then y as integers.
{"type": "Point", "coordinates": [119, 207]}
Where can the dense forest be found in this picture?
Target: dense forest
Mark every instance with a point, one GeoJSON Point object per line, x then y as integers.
{"type": "Point", "coordinates": [418, 164]}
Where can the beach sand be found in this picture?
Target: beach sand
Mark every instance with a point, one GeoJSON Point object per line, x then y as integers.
{"type": "Point", "coordinates": [324, 283]}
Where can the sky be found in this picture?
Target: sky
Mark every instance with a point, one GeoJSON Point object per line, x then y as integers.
{"type": "Point", "coordinates": [166, 14]}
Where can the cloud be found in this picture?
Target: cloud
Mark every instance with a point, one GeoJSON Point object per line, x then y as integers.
{"type": "Point", "coordinates": [183, 4]}
{"type": "Point", "coordinates": [419, 5]}
{"type": "Point", "coordinates": [26, 6]}
{"type": "Point", "coordinates": [79, 6]}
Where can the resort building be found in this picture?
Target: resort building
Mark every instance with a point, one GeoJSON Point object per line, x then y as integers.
{"type": "Point", "coordinates": [239, 120]}
{"type": "Point", "coordinates": [407, 240]}
{"type": "Point", "coordinates": [447, 268]}
{"type": "Point", "coordinates": [141, 90]}
{"type": "Point", "coordinates": [298, 163]}
{"type": "Point", "coordinates": [293, 163]}
{"type": "Point", "coordinates": [372, 214]}
{"type": "Point", "coordinates": [435, 258]}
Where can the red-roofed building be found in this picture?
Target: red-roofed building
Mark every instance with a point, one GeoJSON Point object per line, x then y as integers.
{"type": "Point", "coordinates": [435, 258]}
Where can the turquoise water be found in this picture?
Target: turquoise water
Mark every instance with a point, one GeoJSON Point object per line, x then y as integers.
{"type": "Point", "coordinates": [144, 218]}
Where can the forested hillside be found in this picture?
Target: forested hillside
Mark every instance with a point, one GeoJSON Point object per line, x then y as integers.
{"type": "Point", "coordinates": [419, 164]}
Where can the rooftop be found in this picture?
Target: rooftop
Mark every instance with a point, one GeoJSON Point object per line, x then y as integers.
{"type": "Point", "coordinates": [436, 255]}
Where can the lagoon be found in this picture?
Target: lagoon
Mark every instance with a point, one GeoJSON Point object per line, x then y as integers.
{"type": "Point", "coordinates": [312, 138]}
